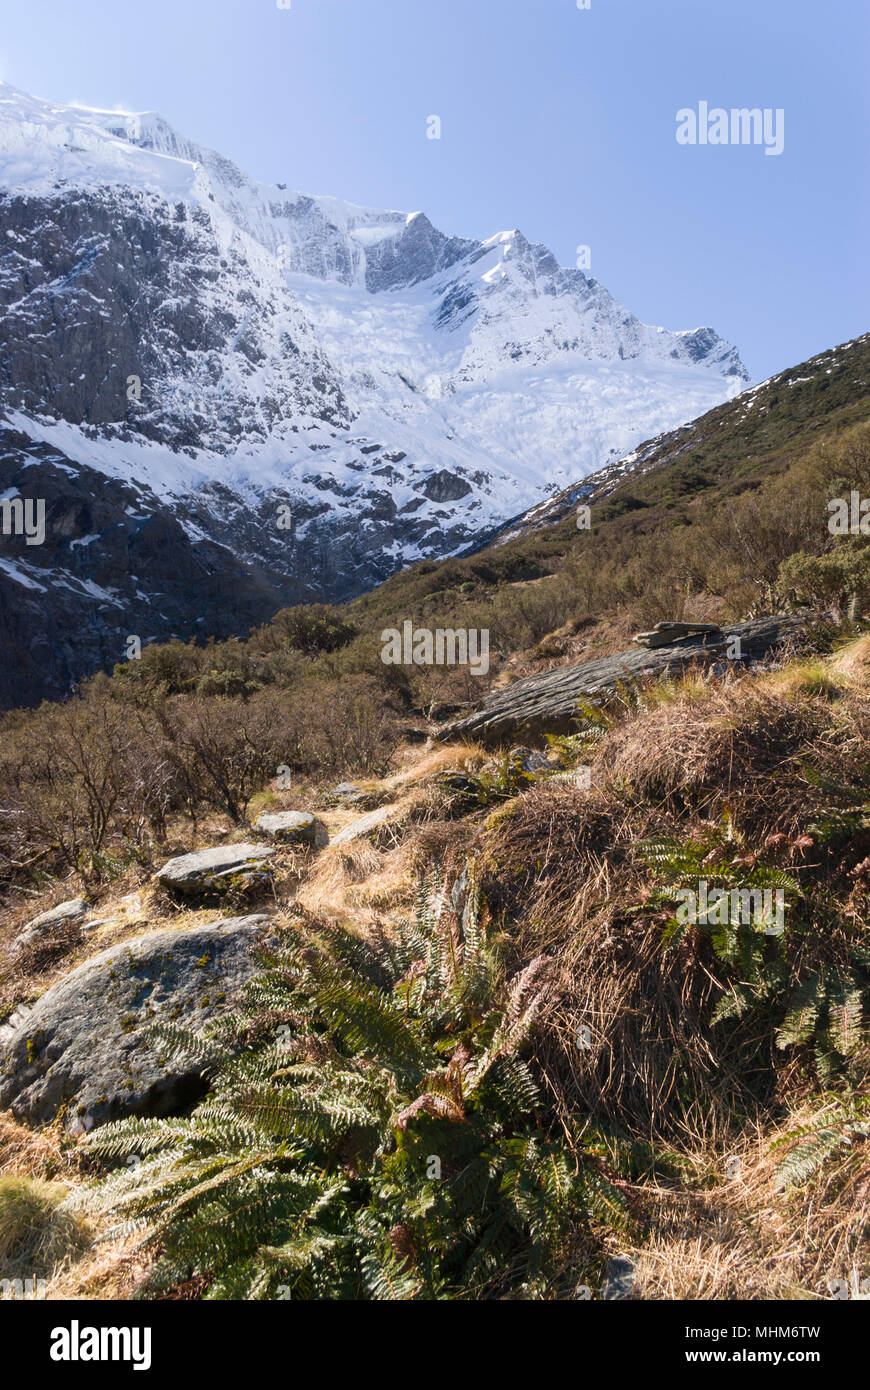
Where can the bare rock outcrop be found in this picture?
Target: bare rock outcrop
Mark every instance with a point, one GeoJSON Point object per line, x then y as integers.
{"type": "Point", "coordinates": [548, 703]}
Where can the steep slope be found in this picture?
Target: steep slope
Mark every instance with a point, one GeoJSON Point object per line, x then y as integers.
{"type": "Point", "coordinates": [314, 393]}
{"type": "Point", "coordinates": [726, 446]}
{"type": "Point", "coordinates": [645, 496]}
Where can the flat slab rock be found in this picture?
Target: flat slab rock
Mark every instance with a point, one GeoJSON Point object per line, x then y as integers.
{"type": "Point", "coordinates": [547, 703]}
{"type": "Point", "coordinates": [364, 825]}
{"type": "Point", "coordinates": [347, 793]}
{"type": "Point", "coordinates": [293, 827]}
{"type": "Point", "coordinates": [667, 634]}
{"type": "Point", "coordinates": [209, 869]}
{"type": "Point", "coordinates": [69, 911]}
{"type": "Point", "coordinates": [83, 1045]}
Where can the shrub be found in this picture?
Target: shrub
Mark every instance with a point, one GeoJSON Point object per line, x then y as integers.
{"type": "Point", "coordinates": [308, 628]}
{"type": "Point", "coordinates": [832, 579]}
{"type": "Point", "coordinates": [222, 750]}
{"type": "Point", "coordinates": [345, 725]}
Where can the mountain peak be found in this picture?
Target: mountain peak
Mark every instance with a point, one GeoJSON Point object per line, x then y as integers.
{"type": "Point", "coordinates": [195, 349]}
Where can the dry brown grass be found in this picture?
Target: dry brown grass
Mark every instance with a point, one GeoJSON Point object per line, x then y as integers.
{"type": "Point", "coordinates": [109, 1270]}
{"type": "Point", "coordinates": [38, 1236]}
{"type": "Point", "coordinates": [336, 882]}
{"type": "Point", "coordinates": [559, 866]}
{"type": "Point", "coordinates": [622, 1037]}
{"type": "Point", "coordinates": [466, 756]}
{"type": "Point", "coordinates": [744, 746]}
{"type": "Point", "coordinates": [376, 873]}
{"type": "Point", "coordinates": [853, 661]}
{"type": "Point", "coordinates": [39, 1153]}
{"type": "Point", "coordinates": [745, 1239]}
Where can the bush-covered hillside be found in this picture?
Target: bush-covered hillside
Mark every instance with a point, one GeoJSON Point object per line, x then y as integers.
{"type": "Point", "coordinates": [483, 1053]}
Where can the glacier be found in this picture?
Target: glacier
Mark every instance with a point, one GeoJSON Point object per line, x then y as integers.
{"type": "Point", "coordinates": [204, 348]}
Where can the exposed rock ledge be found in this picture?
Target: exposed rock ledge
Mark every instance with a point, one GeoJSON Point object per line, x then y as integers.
{"type": "Point", "coordinates": [547, 703]}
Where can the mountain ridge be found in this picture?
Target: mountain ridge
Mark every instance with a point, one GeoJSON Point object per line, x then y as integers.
{"type": "Point", "coordinates": [237, 354]}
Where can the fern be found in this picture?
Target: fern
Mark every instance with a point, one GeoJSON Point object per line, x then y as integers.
{"type": "Point", "coordinates": [809, 1000]}
{"type": "Point", "coordinates": [392, 1148]}
{"type": "Point", "coordinates": [830, 1131]}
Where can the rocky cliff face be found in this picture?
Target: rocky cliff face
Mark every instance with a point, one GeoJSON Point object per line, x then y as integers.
{"type": "Point", "coordinates": [231, 397]}
{"type": "Point", "coordinates": [101, 287]}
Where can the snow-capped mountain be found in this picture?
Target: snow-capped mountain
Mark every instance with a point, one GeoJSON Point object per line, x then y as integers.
{"type": "Point", "coordinates": [294, 394]}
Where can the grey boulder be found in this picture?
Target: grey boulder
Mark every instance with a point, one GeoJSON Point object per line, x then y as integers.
{"type": "Point", "coordinates": [83, 1046]}
{"type": "Point", "coordinates": [346, 794]}
{"type": "Point", "coordinates": [215, 870]}
{"type": "Point", "coordinates": [548, 702]}
{"type": "Point", "coordinates": [69, 911]}
{"type": "Point", "coordinates": [293, 827]}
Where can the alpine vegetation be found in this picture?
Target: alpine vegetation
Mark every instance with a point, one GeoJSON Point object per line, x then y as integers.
{"type": "Point", "coordinates": [435, 705]}
{"type": "Point", "coordinates": [330, 977]}
{"type": "Point", "coordinates": [373, 1130]}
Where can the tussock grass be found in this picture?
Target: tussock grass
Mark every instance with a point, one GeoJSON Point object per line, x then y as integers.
{"type": "Point", "coordinates": [38, 1153]}
{"type": "Point", "coordinates": [742, 1238]}
{"type": "Point", "coordinates": [36, 1235]}
{"type": "Point", "coordinates": [817, 678]}
{"type": "Point", "coordinates": [622, 1038]}
{"type": "Point", "coordinates": [106, 1270]}
{"type": "Point", "coordinates": [466, 755]}
{"type": "Point", "coordinates": [378, 871]}
{"type": "Point", "coordinates": [852, 662]}
{"type": "Point", "coordinates": [328, 890]}
{"type": "Point", "coordinates": [746, 745]}
{"type": "Point", "coordinates": [561, 867]}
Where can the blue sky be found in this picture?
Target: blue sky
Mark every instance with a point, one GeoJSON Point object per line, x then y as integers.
{"type": "Point", "coordinates": [555, 120]}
